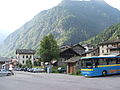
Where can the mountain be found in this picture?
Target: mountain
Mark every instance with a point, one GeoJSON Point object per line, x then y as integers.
{"type": "Point", "coordinates": [70, 22]}
{"type": "Point", "coordinates": [110, 33]}
{"type": "Point", "coordinates": [3, 35]}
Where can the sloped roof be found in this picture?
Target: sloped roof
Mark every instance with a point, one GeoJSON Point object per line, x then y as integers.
{"type": "Point", "coordinates": [64, 48]}
{"type": "Point", "coordinates": [110, 42]}
{"type": "Point", "coordinates": [73, 60]}
{"type": "Point", "coordinates": [3, 59]}
{"type": "Point", "coordinates": [78, 45]}
{"type": "Point", "coordinates": [25, 51]}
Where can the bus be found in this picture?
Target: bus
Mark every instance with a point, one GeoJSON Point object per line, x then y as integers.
{"type": "Point", "coordinates": [100, 65]}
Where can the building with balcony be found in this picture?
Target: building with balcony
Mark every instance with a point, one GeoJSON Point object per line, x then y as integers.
{"type": "Point", "coordinates": [109, 47]}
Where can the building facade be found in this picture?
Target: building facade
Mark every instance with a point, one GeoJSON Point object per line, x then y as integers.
{"type": "Point", "coordinates": [25, 54]}
{"type": "Point", "coordinates": [110, 47]}
{"type": "Point", "coordinates": [94, 52]}
{"type": "Point", "coordinates": [67, 52]}
{"type": "Point", "coordinates": [4, 62]}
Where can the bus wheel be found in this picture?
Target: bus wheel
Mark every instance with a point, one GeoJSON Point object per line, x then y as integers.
{"type": "Point", "coordinates": [104, 73]}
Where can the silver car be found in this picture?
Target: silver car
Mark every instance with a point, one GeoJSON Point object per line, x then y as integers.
{"type": "Point", "coordinates": [4, 72]}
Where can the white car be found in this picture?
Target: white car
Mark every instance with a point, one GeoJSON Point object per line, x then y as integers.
{"type": "Point", "coordinates": [4, 72]}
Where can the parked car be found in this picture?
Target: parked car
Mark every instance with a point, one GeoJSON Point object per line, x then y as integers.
{"type": "Point", "coordinates": [25, 69]}
{"type": "Point", "coordinates": [42, 69]}
{"type": "Point", "coordinates": [30, 69]}
{"type": "Point", "coordinates": [4, 72]}
{"type": "Point", "coordinates": [35, 70]}
{"type": "Point", "coordinates": [61, 70]}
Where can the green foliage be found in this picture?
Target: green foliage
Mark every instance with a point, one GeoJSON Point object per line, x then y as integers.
{"type": "Point", "coordinates": [28, 64]}
{"type": "Point", "coordinates": [36, 63]}
{"type": "Point", "coordinates": [109, 34]}
{"type": "Point", "coordinates": [48, 49]}
{"type": "Point", "coordinates": [70, 22]}
{"type": "Point", "coordinates": [20, 65]}
{"type": "Point", "coordinates": [55, 70]}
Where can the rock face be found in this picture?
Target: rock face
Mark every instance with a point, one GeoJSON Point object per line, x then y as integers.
{"type": "Point", "coordinates": [70, 22]}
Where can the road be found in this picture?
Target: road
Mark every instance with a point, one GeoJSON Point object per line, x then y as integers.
{"type": "Point", "coordinates": [44, 81]}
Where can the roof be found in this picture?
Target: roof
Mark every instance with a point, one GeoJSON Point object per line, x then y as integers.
{"type": "Point", "coordinates": [78, 45]}
{"type": "Point", "coordinates": [73, 60]}
{"type": "Point", "coordinates": [64, 48]}
{"type": "Point", "coordinates": [3, 59]}
{"type": "Point", "coordinates": [61, 51]}
{"type": "Point", "coordinates": [25, 51]}
{"type": "Point", "coordinates": [110, 42]}
{"type": "Point", "coordinates": [115, 48]}
{"type": "Point", "coordinates": [104, 56]}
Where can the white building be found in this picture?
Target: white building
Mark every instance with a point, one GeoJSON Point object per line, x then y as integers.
{"type": "Point", "coordinates": [25, 54]}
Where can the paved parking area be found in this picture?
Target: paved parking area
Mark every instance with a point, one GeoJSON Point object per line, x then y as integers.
{"type": "Point", "coordinates": [44, 81]}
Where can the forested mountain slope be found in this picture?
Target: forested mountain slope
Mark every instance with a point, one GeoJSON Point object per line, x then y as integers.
{"type": "Point", "coordinates": [70, 22]}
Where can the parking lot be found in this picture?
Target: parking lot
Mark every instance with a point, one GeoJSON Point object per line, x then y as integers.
{"type": "Point", "coordinates": [45, 81]}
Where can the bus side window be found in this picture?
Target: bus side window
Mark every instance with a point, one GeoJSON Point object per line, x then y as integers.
{"type": "Point", "coordinates": [107, 61]}
{"type": "Point", "coordinates": [112, 61]}
{"type": "Point", "coordinates": [102, 61]}
{"type": "Point", "coordinates": [118, 61]}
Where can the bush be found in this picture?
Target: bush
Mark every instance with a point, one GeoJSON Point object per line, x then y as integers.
{"type": "Point", "coordinates": [78, 72]}
{"type": "Point", "coordinates": [55, 70]}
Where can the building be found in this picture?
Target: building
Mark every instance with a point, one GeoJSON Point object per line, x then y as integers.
{"type": "Point", "coordinates": [88, 47]}
{"type": "Point", "coordinates": [93, 52]}
{"type": "Point", "coordinates": [4, 62]}
{"type": "Point", "coordinates": [25, 54]}
{"type": "Point", "coordinates": [73, 64]}
{"type": "Point", "coordinates": [67, 52]}
{"type": "Point", "coordinates": [109, 47]}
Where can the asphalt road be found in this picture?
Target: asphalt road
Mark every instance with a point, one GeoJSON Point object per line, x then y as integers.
{"type": "Point", "coordinates": [43, 81]}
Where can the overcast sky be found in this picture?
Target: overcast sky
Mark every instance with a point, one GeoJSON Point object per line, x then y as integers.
{"type": "Point", "coordinates": [14, 13]}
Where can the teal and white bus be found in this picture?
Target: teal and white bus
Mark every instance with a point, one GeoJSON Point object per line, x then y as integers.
{"type": "Point", "coordinates": [100, 65]}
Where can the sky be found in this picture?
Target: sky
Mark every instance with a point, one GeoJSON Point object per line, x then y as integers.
{"type": "Point", "coordinates": [15, 13]}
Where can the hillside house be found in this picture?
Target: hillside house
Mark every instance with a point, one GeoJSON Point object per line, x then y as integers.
{"type": "Point", "coordinates": [25, 54]}
{"type": "Point", "coordinates": [67, 52]}
{"type": "Point", "coordinates": [109, 47]}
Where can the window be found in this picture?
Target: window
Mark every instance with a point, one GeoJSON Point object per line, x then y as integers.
{"type": "Point", "coordinates": [23, 62]}
{"type": "Point", "coordinates": [112, 61]}
{"type": "Point", "coordinates": [87, 63]}
{"type": "Point", "coordinates": [30, 57]}
{"type": "Point", "coordinates": [26, 56]}
{"type": "Point", "coordinates": [107, 51]}
{"type": "Point", "coordinates": [102, 51]}
{"type": "Point", "coordinates": [102, 61]}
{"type": "Point", "coordinates": [118, 61]}
{"type": "Point", "coordinates": [23, 56]}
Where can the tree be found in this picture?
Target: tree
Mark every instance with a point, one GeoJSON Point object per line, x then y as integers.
{"type": "Point", "coordinates": [29, 64]}
{"type": "Point", "coordinates": [48, 49]}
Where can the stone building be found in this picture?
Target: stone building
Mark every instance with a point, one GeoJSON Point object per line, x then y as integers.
{"type": "Point", "coordinates": [110, 47]}
{"type": "Point", "coordinates": [25, 54]}
{"type": "Point", "coordinates": [67, 52]}
{"type": "Point", "coordinates": [73, 64]}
